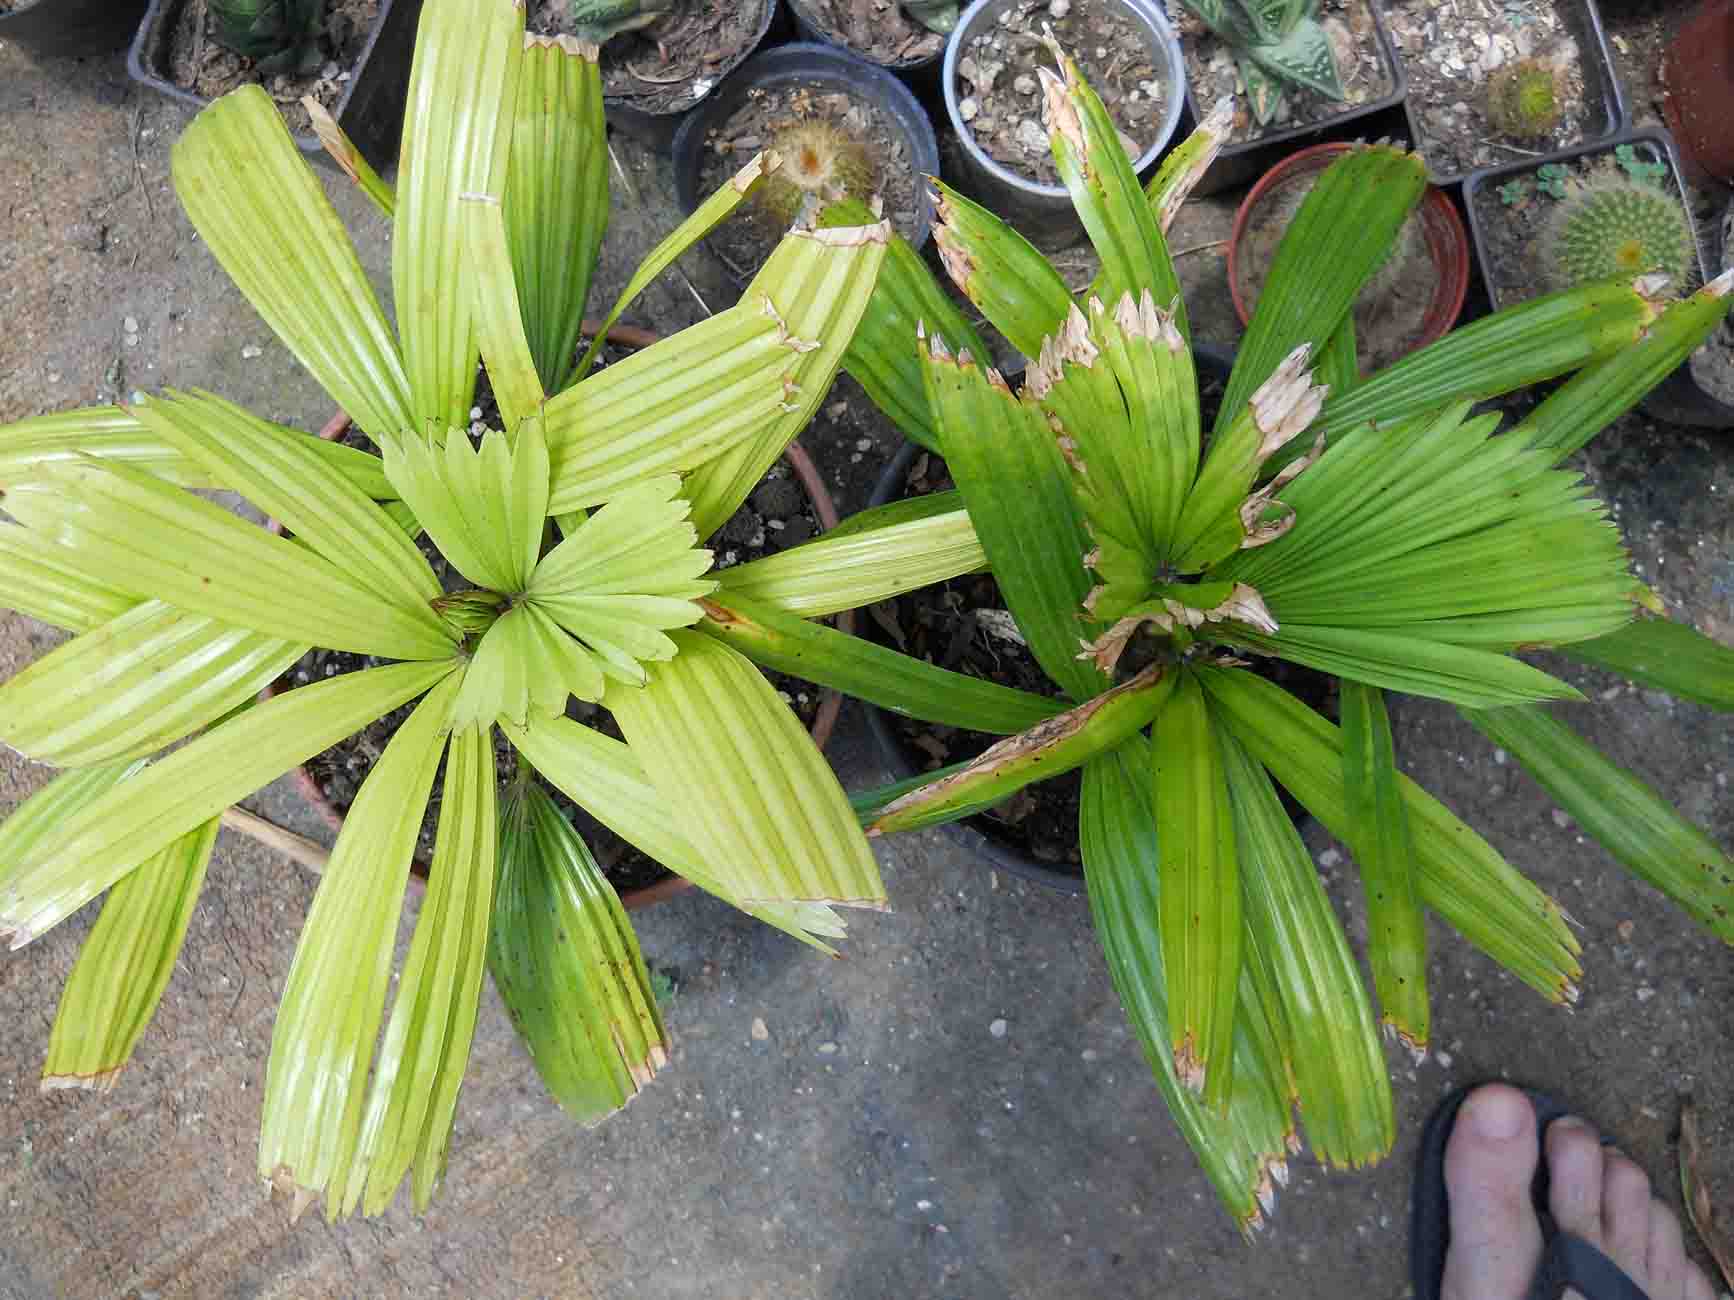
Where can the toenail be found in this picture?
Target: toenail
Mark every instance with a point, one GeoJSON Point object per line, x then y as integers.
{"type": "Point", "coordinates": [1497, 1115]}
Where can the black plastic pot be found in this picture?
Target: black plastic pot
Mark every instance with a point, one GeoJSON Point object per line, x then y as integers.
{"type": "Point", "coordinates": [831, 69]}
{"type": "Point", "coordinates": [72, 27]}
{"type": "Point", "coordinates": [1382, 118]}
{"type": "Point", "coordinates": [659, 130]}
{"type": "Point", "coordinates": [1211, 360]}
{"type": "Point", "coordinates": [922, 74]}
{"type": "Point", "coordinates": [1584, 23]}
{"type": "Point", "coordinates": [1677, 399]}
{"type": "Point", "coordinates": [371, 109]}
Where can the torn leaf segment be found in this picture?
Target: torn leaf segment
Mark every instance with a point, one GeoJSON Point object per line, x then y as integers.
{"type": "Point", "coordinates": [567, 964]}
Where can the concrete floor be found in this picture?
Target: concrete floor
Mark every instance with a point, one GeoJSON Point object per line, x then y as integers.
{"type": "Point", "coordinates": [880, 1141]}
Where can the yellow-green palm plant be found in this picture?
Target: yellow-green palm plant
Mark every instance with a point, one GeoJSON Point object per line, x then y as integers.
{"type": "Point", "coordinates": [1367, 528]}
{"type": "Point", "coordinates": [577, 526]}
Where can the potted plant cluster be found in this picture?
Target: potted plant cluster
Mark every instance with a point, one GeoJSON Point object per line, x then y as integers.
{"type": "Point", "coordinates": [1369, 529]}
{"type": "Point", "coordinates": [572, 534]}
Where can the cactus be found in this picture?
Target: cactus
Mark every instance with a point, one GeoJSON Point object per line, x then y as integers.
{"type": "Point", "coordinates": [283, 35]}
{"type": "Point", "coordinates": [1276, 43]}
{"type": "Point", "coordinates": [1523, 100]}
{"type": "Point", "coordinates": [822, 163]}
{"type": "Point", "coordinates": [1609, 226]}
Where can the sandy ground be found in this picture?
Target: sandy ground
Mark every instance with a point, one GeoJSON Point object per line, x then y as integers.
{"type": "Point", "coordinates": [881, 1140]}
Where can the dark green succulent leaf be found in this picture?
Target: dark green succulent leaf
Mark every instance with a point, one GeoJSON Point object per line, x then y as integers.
{"type": "Point", "coordinates": [1302, 55]}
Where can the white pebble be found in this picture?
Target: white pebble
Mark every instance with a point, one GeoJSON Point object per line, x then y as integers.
{"type": "Point", "coordinates": [251, 351]}
{"type": "Point", "coordinates": [760, 1031]}
{"type": "Point", "coordinates": [827, 1049]}
{"type": "Point", "coordinates": [997, 1028]}
{"type": "Point", "coordinates": [1058, 9]}
{"type": "Point", "coordinates": [130, 324]}
{"type": "Point", "coordinates": [967, 108]}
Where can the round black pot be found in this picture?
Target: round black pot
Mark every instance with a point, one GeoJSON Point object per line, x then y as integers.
{"type": "Point", "coordinates": [829, 68]}
{"type": "Point", "coordinates": [1211, 360]}
{"type": "Point", "coordinates": [922, 74]}
{"type": "Point", "coordinates": [73, 27]}
{"type": "Point", "coordinates": [371, 109]}
{"type": "Point", "coordinates": [660, 130]}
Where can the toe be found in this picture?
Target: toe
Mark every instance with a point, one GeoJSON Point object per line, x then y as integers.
{"type": "Point", "coordinates": [1665, 1254]}
{"type": "Point", "coordinates": [1626, 1215]}
{"type": "Point", "coordinates": [1574, 1165]}
{"type": "Point", "coordinates": [1697, 1285]}
{"type": "Point", "coordinates": [1489, 1162]}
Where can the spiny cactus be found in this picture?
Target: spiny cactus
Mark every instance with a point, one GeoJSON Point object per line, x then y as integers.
{"type": "Point", "coordinates": [1609, 226]}
{"type": "Point", "coordinates": [1276, 43]}
{"type": "Point", "coordinates": [1523, 100]}
{"type": "Point", "coordinates": [281, 34]}
{"type": "Point", "coordinates": [822, 163]}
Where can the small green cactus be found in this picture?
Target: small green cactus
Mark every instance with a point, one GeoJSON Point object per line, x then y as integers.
{"type": "Point", "coordinates": [1610, 226]}
{"type": "Point", "coordinates": [1523, 100]}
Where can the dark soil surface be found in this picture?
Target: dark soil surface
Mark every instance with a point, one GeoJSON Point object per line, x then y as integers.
{"type": "Point", "coordinates": [1367, 75]}
{"type": "Point", "coordinates": [876, 30]}
{"type": "Point", "coordinates": [830, 140]}
{"type": "Point", "coordinates": [1390, 314]}
{"type": "Point", "coordinates": [195, 61]}
{"type": "Point", "coordinates": [1516, 213]}
{"type": "Point", "coordinates": [1452, 55]}
{"type": "Point", "coordinates": [1000, 96]}
{"type": "Point", "coordinates": [670, 65]}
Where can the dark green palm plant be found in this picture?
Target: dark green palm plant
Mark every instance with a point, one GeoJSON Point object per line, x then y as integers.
{"type": "Point", "coordinates": [1369, 528]}
{"type": "Point", "coordinates": [1276, 43]}
{"type": "Point", "coordinates": [282, 35]}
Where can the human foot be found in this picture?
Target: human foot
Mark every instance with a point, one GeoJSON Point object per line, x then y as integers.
{"type": "Point", "coordinates": [1594, 1193]}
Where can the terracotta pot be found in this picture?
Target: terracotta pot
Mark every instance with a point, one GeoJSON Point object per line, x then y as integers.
{"type": "Point", "coordinates": [1447, 240]}
{"type": "Point", "coordinates": [1698, 87]}
{"type": "Point", "coordinates": [830, 703]}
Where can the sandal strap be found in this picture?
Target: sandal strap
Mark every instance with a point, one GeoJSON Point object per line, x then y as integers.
{"type": "Point", "coordinates": [1570, 1261]}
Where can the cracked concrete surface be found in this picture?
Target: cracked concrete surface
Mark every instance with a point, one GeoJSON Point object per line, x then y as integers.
{"type": "Point", "coordinates": [880, 1140]}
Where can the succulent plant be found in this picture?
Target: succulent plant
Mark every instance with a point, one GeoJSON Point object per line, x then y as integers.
{"type": "Point", "coordinates": [1523, 99]}
{"type": "Point", "coordinates": [935, 15]}
{"type": "Point", "coordinates": [281, 34]}
{"type": "Point", "coordinates": [1610, 226]}
{"type": "Point", "coordinates": [1276, 43]}
{"type": "Point", "coordinates": [597, 21]}
{"type": "Point", "coordinates": [821, 163]}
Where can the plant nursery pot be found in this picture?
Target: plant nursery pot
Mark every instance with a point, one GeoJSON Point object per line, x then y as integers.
{"type": "Point", "coordinates": [802, 81]}
{"type": "Point", "coordinates": [1380, 116]}
{"type": "Point", "coordinates": [370, 109]}
{"type": "Point", "coordinates": [1455, 141]}
{"type": "Point", "coordinates": [824, 720]}
{"type": "Point", "coordinates": [62, 28]}
{"type": "Point", "coordinates": [1411, 304]}
{"type": "Point", "coordinates": [1042, 209]}
{"type": "Point", "coordinates": [654, 118]}
{"type": "Point", "coordinates": [1507, 250]}
{"type": "Point", "coordinates": [1698, 88]}
{"type": "Point", "coordinates": [979, 834]}
{"type": "Point", "coordinates": [904, 47]}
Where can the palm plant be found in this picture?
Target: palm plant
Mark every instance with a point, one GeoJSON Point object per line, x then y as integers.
{"type": "Point", "coordinates": [577, 526]}
{"type": "Point", "coordinates": [1369, 528]}
{"type": "Point", "coordinates": [1276, 44]}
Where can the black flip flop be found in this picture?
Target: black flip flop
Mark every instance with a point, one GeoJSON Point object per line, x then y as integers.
{"type": "Point", "coordinates": [1567, 1260]}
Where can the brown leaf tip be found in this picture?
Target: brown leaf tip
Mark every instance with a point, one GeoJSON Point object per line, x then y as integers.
{"type": "Point", "coordinates": [100, 1081]}
{"type": "Point", "coordinates": [568, 44]}
{"type": "Point", "coordinates": [848, 236]}
{"type": "Point", "coordinates": [1059, 113]}
{"type": "Point", "coordinates": [1722, 285]}
{"type": "Point", "coordinates": [1287, 402]}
